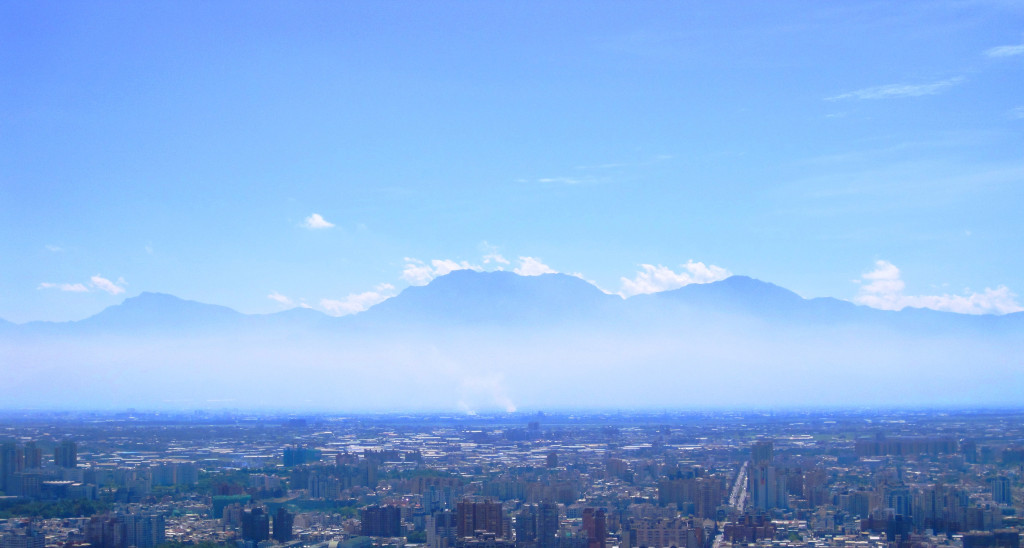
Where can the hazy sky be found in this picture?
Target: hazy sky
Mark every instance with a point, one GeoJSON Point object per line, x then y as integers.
{"type": "Point", "coordinates": [263, 155]}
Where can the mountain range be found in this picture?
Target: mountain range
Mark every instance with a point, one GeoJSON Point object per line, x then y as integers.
{"type": "Point", "coordinates": [473, 340]}
{"type": "Point", "coordinates": [470, 297]}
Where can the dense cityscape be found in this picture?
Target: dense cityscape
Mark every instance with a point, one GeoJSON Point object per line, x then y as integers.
{"type": "Point", "coordinates": [520, 480]}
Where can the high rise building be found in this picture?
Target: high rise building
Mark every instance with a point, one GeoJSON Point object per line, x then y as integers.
{"type": "Point", "coordinates": [1001, 490]}
{"type": "Point", "coordinates": [144, 530]}
{"type": "Point", "coordinates": [8, 464]}
{"type": "Point", "coordinates": [283, 521]}
{"type": "Point", "coordinates": [381, 521]}
{"type": "Point", "coordinates": [480, 516]}
{"type": "Point", "coordinates": [898, 498]}
{"type": "Point", "coordinates": [761, 452]}
{"type": "Point", "coordinates": [595, 526]}
{"type": "Point", "coordinates": [106, 531]}
{"type": "Point", "coordinates": [65, 455]}
{"type": "Point", "coordinates": [442, 529]}
{"type": "Point", "coordinates": [526, 526]}
{"type": "Point", "coordinates": [537, 526]}
{"type": "Point", "coordinates": [547, 525]}
{"type": "Point", "coordinates": [255, 524]}
{"type": "Point", "coordinates": [33, 455]}
{"type": "Point", "coordinates": [767, 487]}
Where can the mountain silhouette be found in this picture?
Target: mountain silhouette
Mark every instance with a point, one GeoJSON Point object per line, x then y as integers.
{"type": "Point", "coordinates": [468, 297]}
{"type": "Point", "coordinates": [500, 340]}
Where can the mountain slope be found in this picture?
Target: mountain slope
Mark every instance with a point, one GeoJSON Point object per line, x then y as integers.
{"type": "Point", "coordinates": [160, 311]}
{"type": "Point", "coordinates": [468, 297]}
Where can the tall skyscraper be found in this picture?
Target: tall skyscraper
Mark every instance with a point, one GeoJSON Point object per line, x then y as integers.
{"type": "Point", "coordinates": [537, 526]}
{"type": "Point", "coordinates": [283, 521]}
{"type": "Point", "coordinates": [595, 526]}
{"type": "Point", "coordinates": [255, 524]}
{"type": "Point", "coordinates": [8, 464]}
{"type": "Point", "coordinates": [442, 529]}
{"type": "Point", "coordinates": [761, 452]}
{"type": "Point", "coordinates": [65, 455]}
{"type": "Point", "coordinates": [33, 455]}
{"type": "Point", "coordinates": [547, 525]}
{"type": "Point", "coordinates": [1001, 490]}
{"type": "Point", "coordinates": [767, 487]}
{"type": "Point", "coordinates": [381, 521]}
{"type": "Point", "coordinates": [480, 516]}
{"type": "Point", "coordinates": [144, 530]}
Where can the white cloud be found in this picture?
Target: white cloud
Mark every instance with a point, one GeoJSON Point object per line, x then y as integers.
{"type": "Point", "coordinates": [562, 180]}
{"type": "Point", "coordinates": [495, 258]}
{"type": "Point", "coordinates": [1017, 113]}
{"type": "Point", "coordinates": [54, 248]}
{"type": "Point", "coordinates": [358, 302]}
{"type": "Point", "coordinates": [883, 287]}
{"type": "Point", "coordinates": [653, 279]}
{"type": "Point", "coordinates": [103, 284]}
{"type": "Point", "coordinates": [315, 222]}
{"type": "Point", "coordinates": [416, 272]}
{"type": "Point", "coordinates": [532, 266]}
{"type": "Point", "coordinates": [491, 254]}
{"type": "Point", "coordinates": [275, 296]}
{"type": "Point", "coordinates": [898, 90]}
{"type": "Point", "coordinates": [97, 282]}
{"type": "Point", "coordinates": [1005, 51]}
{"type": "Point", "coordinates": [74, 288]}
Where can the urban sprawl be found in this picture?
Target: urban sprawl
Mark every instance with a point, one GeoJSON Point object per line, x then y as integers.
{"type": "Point", "coordinates": [896, 479]}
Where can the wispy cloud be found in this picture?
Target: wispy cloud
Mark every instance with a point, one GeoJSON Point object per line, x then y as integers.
{"type": "Point", "coordinates": [74, 288]}
{"type": "Point", "coordinates": [103, 284]}
{"type": "Point", "coordinates": [891, 91]}
{"type": "Point", "coordinates": [417, 272]}
{"type": "Point", "coordinates": [532, 266]}
{"type": "Point", "coordinates": [565, 180]}
{"type": "Point", "coordinates": [1005, 51]}
{"type": "Point", "coordinates": [275, 296]}
{"type": "Point", "coordinates": [358, 302]}
{"type": "Point", "coordinates": [654, 279]}
{"type": "Point", "coordinates": [491, 255]}
{"type": "Point", "coordinates": [883, 288]}
{"type": "Point", "coordinates": [54, 248]}
{"type": "Point", "coordinates": [96, 282]}
{"type": "Point", "coordinates": [496, 258]}
{"type": "Point", "coordinates": [1017, 113]}
{"type": "Point", "coordinates": [316, 222]}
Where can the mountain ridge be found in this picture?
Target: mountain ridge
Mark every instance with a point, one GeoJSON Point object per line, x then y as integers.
{"type": "Point", "coordinates": [489, 339]}
{"type": "Point", "coordinates": [499, 294]}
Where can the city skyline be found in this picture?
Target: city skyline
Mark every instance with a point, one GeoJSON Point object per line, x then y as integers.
{"type": "Point", "coordinates": [266, 157]}
{"type": "Point", "coordinates": [126, 478]}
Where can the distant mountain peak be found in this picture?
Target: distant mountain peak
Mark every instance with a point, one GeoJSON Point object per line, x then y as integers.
{"type": "Point", "coordinates": [493, 296]}
{"type": "Point", "coordinates": [748, 284]}
{"type": "Point", "coordinates": [160, 310]}
{"type": "Point", "coordinates": [734, 294]}
{"type": "Point", "coordinates": [153, 297]}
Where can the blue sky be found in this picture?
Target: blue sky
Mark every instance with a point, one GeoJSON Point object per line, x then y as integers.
{"type": "Point", "coordinates": [865, 151]}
